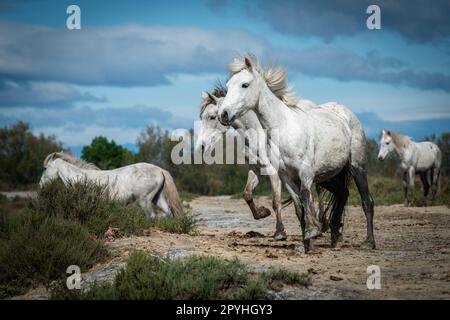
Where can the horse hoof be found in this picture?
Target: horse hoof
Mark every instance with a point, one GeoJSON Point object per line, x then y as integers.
{"type": "Point", "coordinates": [300, 248]}
{"type": "Point", "coordinates": [311, 234]}
{"type": "Point", "coordinates": [263, 212]}
{"type": "Point", "coordinates": [336, 238]}
{"type": "Point", "coordinates": [369, 245]}
{"type": "Point", "coordinates": [280, 236]}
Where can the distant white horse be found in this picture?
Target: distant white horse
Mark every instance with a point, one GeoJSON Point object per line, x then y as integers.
{"type": "Point", "coordinates": [144, 182]}
{"type": "Point", "coordinates": [423, 158]}
{"type": "Point", "coordinates": [315, 145]}
{"type": "Point", "coordinates": [211, 130]}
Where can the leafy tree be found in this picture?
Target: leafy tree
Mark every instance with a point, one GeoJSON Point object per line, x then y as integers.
{"type": "Point", "coordinates": [154, 144]}
{"type": "Point", "coordinates": [444, 144]}
{"type": "Point", "coordinates": [107, 154]}
{"type": "Point", "coordinates": [22, 154]}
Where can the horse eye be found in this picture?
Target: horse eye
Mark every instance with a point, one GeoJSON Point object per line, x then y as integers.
{"type": "Point", "coordinates": [245, 85]}
{"type": "Point", "coordinates": [212, 118]}
{"type": "Point", "coordinates": [387, 143]}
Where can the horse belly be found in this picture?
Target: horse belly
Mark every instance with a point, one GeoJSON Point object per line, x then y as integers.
{"type": "Point", "coordinates": [332, 154]}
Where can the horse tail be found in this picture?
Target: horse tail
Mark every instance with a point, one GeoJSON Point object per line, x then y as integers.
{"type": "Point", "coordinates": [171, 194]}
{"type": "Point", "coordinates": [337, 201]}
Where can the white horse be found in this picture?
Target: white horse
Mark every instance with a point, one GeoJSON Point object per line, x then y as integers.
{"type": "Point", "coordinates": [423, 158]}
{"type": "Point", "coordinates": [144, 182]}
{"type": "Point", "coordinates": [211, 130]}
{"type": "Point", "coordinates": [315, 145]}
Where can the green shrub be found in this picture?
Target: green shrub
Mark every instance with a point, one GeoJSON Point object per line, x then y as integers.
{"type": "Point", "coordinates": [36, 249]}
{"type": "Point", "coordinates": [182, 224]}
{"type": "Point", "coordinates": [197, 277]}
{"type": "Point", "coordinates": [288, 277]}
{"type": "Point", "coordinates": [91, 205]}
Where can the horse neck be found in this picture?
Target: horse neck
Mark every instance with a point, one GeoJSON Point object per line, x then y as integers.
{"type": "Point", "coordinates": [248, 120]}
{"type": "Point", "coordinates": [272, 112]}
{"type": "Point", "coordinates": [401, 150]}
{"type": "Point", "coordinates": [69, 172]}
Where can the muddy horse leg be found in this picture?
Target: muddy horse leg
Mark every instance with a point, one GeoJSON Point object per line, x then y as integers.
{"type": "Point", "coordinates": [322, 212]}
{"type": "Point", "coordinates": [252, 182]}
{"type": "Point", "coordinates": [360, 177]}
{"type": "Point", "coordinates": [275, 183]}
{"type": "Point", "coordinates": [435, 173]}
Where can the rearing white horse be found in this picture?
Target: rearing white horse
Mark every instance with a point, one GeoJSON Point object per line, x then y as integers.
{"type": "Point", "coordinates": [423, 158]}
{"type": "Point", "coordinates": [315, 145]}
{"type": "Point", "coordinates": [144, 182]}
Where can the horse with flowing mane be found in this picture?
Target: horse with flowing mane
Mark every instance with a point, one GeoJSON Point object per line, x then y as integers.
{"type": "Point", "coordinates": [423, 158]}
{"type": "Point", "coordinates": [323, 144]}
{"type": "Point", "coordinates": [143, 182]}
{"type": "Point", "coordinates": [248, 127]}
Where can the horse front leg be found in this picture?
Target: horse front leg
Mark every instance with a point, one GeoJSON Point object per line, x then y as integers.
{"type": "Point", "coordinates": [252, 182]}
{"type": "Point", "coordinates": [299, 210]}
{"type": "Point", "coordinates": [312, 224]}
{"type": "Point", "coordinates": [411, 176]}
{"type": "Point", "coordinates": [275, 183]}
{"type": "Point", "coordinates": [405, 187]}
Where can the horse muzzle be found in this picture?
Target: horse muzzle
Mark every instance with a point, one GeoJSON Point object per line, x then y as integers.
{"type": "Point", "coordinates": [225, 118]}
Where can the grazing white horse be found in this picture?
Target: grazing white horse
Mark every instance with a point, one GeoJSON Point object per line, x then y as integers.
{"type": "Point", "coordinates": [144, 182]}
{"type": "Point", "coordinates": [423, 158]}
{"type": "Point", "coordinates": [211, 130]}
{"type": "Point", "coordinates": [315, 145]}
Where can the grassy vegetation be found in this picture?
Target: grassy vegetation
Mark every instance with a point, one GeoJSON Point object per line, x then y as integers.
{"type": "Point", "coordinates": [41, 237]}
{"type": "Point", "coordinates": [183, 224]}
{"type": "Point", "coordinates": [197, 277]}
{"type": "Point", "coordinates": [387, 191]}
{"type": "Point", "coordinates": [90, 205]}
{"type": "Point", "coordinates": [35, 249]}
{"type": "Point", "coordinates": [384, 190]}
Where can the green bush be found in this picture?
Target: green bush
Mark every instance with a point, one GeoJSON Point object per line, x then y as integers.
{"type": "Point", "coordinates": [197, 277]}
{"type": "Point", "coordinates": [35, 249]}
{"type": "Point", "coordinates": [91, 205]}
{"type": "Point", "coordinates": [182, 224]}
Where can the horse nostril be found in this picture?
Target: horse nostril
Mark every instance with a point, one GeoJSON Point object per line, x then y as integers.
{"type": "Point", "coordinates": [225, 116]}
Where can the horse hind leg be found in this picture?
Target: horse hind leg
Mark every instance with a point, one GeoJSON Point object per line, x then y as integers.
{"type": "Point", "coordinates": [161, 202]}
{"type": "Point", "coordinates": [425, 184]}
{"type": "Point", "coordinates": [435, 173]}
{"type": "Point", "coordinates": [360, 178]}
{"type": "Point", "coordinates": [146, 202]}
{"type": "Point", "coordinates": [322, 212]}
{"type": "Point", "coordinates": [338, 186]}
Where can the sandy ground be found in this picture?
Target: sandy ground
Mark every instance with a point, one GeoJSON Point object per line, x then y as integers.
{"type": "Point", "coordinates": [413, 249]}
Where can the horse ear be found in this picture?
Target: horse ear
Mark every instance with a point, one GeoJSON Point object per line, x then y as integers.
{"type": "Point", "coordinates": [248, 63]}
{"type": "Point", "coordinates": [388, 133]}
{"type": "Point", "coordinates": [212, 97]}
{"type": "Point", "coordinates": [204, 95]}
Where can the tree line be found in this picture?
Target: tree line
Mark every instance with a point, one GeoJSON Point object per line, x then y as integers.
{"type": "Point", "coordinates": [22, 154]}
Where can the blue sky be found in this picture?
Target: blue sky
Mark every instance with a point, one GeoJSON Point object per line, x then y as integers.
{"type": "Point", "coordinates": [138, 63]}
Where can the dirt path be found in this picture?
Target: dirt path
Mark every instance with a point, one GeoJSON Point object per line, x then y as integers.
{"type": "Point", "coordinates": [413, 249]}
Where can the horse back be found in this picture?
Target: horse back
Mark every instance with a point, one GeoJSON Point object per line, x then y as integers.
{"type": "Point", "coordinates": [428, 156]}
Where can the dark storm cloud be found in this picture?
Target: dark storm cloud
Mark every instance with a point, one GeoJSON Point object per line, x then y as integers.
{"type": "Point", "coordinates": [416, 20]}
{"type": "Point", "coordinates": [126, 117]}
{"type": "Point", "coordinates": [134, 55]}
{"type": "Point", "coordinates": [42, 94]}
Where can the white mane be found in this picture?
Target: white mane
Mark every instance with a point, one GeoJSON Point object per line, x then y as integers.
{"type": "Point", "coordinates": [275, 78]}
{"type": "Point", "coordinates": [70, 159]}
